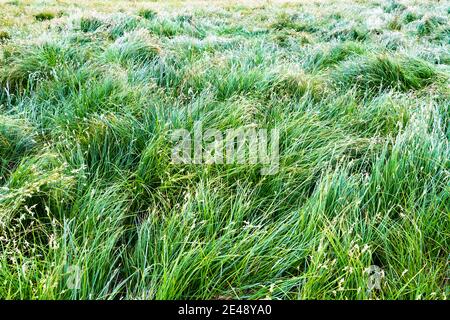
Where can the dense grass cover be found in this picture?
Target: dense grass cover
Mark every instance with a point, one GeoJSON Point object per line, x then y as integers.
{"type": "Point", "coordinates": [90, 93]}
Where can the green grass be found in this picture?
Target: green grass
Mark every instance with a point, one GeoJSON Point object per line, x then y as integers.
{"type": "Point", "coordinates": [4, 36]}
{"type": "Point", "coordinates": [88, 191]}
{"type": "Point", "coordinates": [41, 16]}
{"type": "Point", "coordinates": [376, 74]}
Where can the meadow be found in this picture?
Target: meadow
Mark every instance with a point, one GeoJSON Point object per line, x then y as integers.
{"type": "Point", "coordinates": [91, 206]}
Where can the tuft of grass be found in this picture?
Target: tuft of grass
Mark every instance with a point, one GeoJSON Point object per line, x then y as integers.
{"type": "Point", "coordinates": [322, 59]}
{"type": "Point", "coordinates": [90, 24]}
{"type": "Point", "coordinates": [296, 85]}
{"type": "Point", "coordinates": [393, 41]}
{"type": "Point", "coordinates": [17, 139]}
{"type": "Point", "coordinates": [429, 24]}
{"type": "Point", "coordinates": [381, 73]}
{"type": "Point", "coordinates": [137, 46]}
{"type": "Point", "coordinates": [292, 22]}
{"type": "Point", "coordinates": [148, 14]}
{"type": "Point", "coordinates": [184, 18]}
{"type": "Point", "coordinates": [4, 36]}
{"type": "Point", "coordinates": [44, 15]}
{"type": "Point", "coordinates": [26, 67]}
{"type": "Point", "coordinates": [119, 24]}
{"type": "Point", "coordinates": [394, 6]}
{"type": "Point", "coordinates": [410, 16]}
{"type": "Point", "coordinates": [289, 37]}
{"type": "Point", "coordinates": [343, 32]}
{"type": "Point", "coordinates": [395, 24]}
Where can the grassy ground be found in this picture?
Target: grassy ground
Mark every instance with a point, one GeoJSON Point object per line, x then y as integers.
{"type": "Point", "coordinates": [91, 90]}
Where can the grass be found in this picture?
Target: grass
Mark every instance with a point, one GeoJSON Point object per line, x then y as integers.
{"type": "Point", "coordinates": [45, 15]}
{"type": "Point", "coordinates": [91, 206]}
{"type": "Point", "coordinates": [373, 75]}
{"type": "Point", "coordinates": [4, 36]}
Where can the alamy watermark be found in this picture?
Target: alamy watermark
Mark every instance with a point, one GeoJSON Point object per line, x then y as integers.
{"type": "Point", "coordinates": [242, 145]}
{"type": "Point", "coordinates": [74, 277]}
{"type": "Point", "coordinates": [376, 275]}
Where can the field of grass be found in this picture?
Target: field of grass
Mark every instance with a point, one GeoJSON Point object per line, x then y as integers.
{"type": "Point", "coordinates": [91, 206]}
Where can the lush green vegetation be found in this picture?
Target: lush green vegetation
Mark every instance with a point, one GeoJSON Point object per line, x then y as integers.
{"type": "Point", "coordinates": [358, 89]}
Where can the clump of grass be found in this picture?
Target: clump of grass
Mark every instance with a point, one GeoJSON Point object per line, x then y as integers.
{"type": "Point", "coordinates": [394, 6]}
{"type": "Point", "coordinates": [352, 31]}
{"type": "Point", "coordinates": [382, 72]}
{"type": "Point", "coordinates": [442, 34]}
{"type": "Point", "coordinates": [184, 18]}
{"type": "Point", "coordinates": [395, 24]}
{"type": "Point", "coordinates": [285, 21]}
{"type": "Point", "coordinates": [166, 27]}
{"type": "Point", "coordinates": [37, 178]}
{"type": "Point", "coordinates": [297, 84]}
{"type": "Point", "coordinates": [282, 39]}
{"type": "Point", "coordinates": [119, 24]}
{"type": "Point", "coordinates": [410, 16]}
{"type": "Point", "coordinates": [4, 36]}
{"type": "Point", "coordinates": [286, 37]}
{"type": "Point", "coordinates": [148, 14]}
{"type": "Point", "coordinates": [436, 55]}
{"type": "Point", "coordinates": [304, 38]}
{"type": "Point", "coordinates": [137, 46]}
{"type": "Point", "coordinates": [336, 16]}
{"type": "Point", "coordinates": [176, 26]}
{"type": "Point", "coordinates": [17, 139]}
{"type": "Point", "coordinates": [393, 40]}
{"type": "Point", "coordinates": [429, 24]}
{"type": "Point", "coordinates": [44, 15]}
{"type": "Point", "coordinates": [322, 59]}
{"type": "Point", "coordinates": [90, 24]}
{"type": "Point", "coordinates": [27, 66]}
{"type": "Point", "coordinates": [110, 142]}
